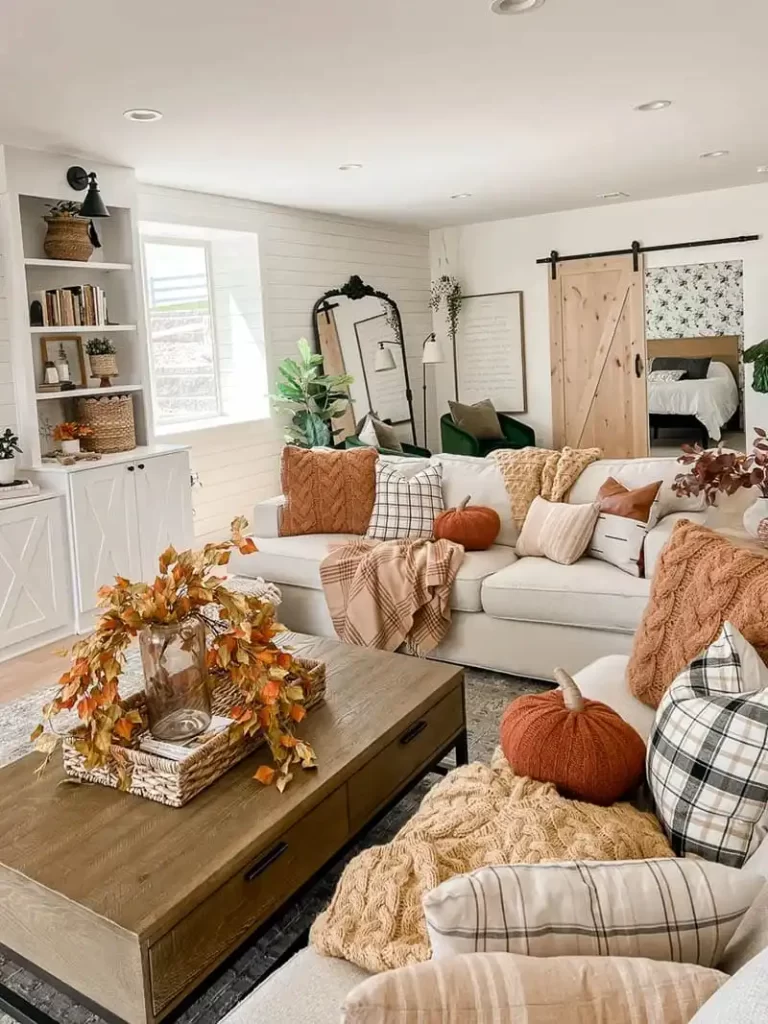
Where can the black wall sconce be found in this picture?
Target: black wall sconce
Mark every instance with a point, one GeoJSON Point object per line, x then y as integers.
{"type": "Point", "coordinates": [93, 205]}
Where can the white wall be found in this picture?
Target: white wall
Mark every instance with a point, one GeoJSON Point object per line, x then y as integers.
{"type": "Point", "coordinates": [7, 399]}
{"type": "Point", "coordinates": [302, 255]}
{"type": "Point", "coordinates": [501, 256]}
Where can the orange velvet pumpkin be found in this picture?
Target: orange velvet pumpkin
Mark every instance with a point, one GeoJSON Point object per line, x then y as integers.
{"type": "Point", "coordinates": [584, 747]}
{"type": "Point", "coordinates": [474, 526]}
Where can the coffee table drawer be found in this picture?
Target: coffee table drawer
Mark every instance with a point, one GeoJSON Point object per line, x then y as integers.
{"type": "Point", "coordinates": [184, 955]}
{"type": "Point", "coordinates": [380, 779]}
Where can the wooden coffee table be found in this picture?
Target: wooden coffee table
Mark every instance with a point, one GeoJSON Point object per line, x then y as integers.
{"type": "Point", "coordinates": [129, 905]}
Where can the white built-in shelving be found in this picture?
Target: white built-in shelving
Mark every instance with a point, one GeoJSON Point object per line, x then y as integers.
{"type": "Point", "coordinates": [84, 329]}
{"type": "Point", "coordinates": [113, 389]}
{"type": "Point", "coordinates": [32, 261]}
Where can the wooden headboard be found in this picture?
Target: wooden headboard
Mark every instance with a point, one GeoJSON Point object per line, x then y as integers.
{"type": "Point", "coordinates": [723, 349]}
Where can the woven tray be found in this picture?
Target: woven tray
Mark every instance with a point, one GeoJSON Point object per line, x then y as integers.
{"type": "Point", "coordinates": [175, 783]}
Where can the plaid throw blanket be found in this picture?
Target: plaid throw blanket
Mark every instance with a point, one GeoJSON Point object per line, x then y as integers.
{"type": "Point", "coordinates": [532, 472]}
{"type": "Point", "coordinates": [385, 593]}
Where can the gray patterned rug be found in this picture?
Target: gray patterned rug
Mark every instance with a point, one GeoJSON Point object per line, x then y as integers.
{"type": "Point", "coordinates": [488, 693]}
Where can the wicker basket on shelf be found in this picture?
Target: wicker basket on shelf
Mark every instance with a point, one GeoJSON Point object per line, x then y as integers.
{"type": "Point", "coordinates": [67, 238]}
{"type": "Point", "coordinates": [111, 419]}
{"type": "Point", "coordinates": [175, 783]}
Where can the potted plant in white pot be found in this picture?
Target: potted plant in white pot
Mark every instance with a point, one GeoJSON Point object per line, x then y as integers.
{"type": "Point", "coordinates": [9, 446]}
{"type": "Point", "coordinates": [68, 435]}
{"type": "Point", "coordinates": [68, 236]}
{"type": "Point", "coordinates": [715, 471]}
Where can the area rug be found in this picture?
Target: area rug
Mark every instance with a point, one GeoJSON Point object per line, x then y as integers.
{"type": "Point", "coordinates": [487, 694]}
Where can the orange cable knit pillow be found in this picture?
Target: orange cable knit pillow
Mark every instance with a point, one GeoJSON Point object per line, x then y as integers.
{"type": "Point", "coordinates": [327, 491]}
{"type": "Point", "coordinates": [701, 580]}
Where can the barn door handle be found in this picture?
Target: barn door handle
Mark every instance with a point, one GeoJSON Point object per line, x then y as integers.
{"type": "Point", "coordinates": [638, 366]}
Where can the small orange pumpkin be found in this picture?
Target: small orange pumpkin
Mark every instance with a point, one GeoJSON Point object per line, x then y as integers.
{"type": "Point", "coordinates": [584, 747]}
{"type": "Point", "coordinates": [474, 526]}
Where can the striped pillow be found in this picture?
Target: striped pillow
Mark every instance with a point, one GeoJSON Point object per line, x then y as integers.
{"type": "Point", "coordinates": [619, 541]}
{"type": "Point", "coordinates": [664, 909]}
{"type": "Point", "coordinates": [557, 531]}
{"type": "Point", "coordinates": [502, 988]}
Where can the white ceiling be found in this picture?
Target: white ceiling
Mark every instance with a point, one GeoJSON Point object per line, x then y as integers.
{"type": "Point", "coordinates": [265, 98]}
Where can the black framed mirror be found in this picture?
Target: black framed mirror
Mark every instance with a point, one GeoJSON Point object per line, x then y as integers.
{"type": "Point", "coordinates": [358, 330]}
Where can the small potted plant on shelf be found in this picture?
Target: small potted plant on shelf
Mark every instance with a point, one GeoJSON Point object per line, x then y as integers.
{"type": "Point", "coordinates": [714, 471]}
{"type": "Point", "coordinates": [101, 353]}
{"type": "Point", "coordinates": [68, 236]}
{"type": "Point", "coordinates": [9, 446]}
{"type": "Point", "coordinates": [69, 435]}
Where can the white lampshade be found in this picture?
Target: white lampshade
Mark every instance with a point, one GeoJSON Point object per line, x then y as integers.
{"type": "Point", "coordinates": [384, 358]}
{"type": "Point", "coordinates": [432, 352]}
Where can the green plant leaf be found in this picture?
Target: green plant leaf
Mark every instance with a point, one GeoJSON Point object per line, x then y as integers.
{"type": "Point", "coordinates": [304, 350]}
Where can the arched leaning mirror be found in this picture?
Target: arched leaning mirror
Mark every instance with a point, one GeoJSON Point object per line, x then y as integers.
{"type": "Point", "coordinates": [358, 330]}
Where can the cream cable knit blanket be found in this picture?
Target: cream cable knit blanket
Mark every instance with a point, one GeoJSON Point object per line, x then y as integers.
{"type": "Point", "coordinates": [532, 472]}
{"type": "Point", "coordinates": [478, 815]}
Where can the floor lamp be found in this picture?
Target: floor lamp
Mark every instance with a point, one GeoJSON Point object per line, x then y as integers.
{"type": "Point", "coordinates": [431, 353]}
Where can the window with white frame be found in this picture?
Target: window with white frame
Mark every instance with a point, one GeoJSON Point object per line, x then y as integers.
{"type": "Point", "coordinates": [205, 326]}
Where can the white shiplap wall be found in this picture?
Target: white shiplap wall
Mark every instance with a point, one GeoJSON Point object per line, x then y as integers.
{"type": "Point", "coordinates": [302, 255]}
{"type": "Point", "coordinates": [7, 399]}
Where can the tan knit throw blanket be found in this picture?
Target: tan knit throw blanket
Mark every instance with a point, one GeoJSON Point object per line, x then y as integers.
{"type": "Point", "coordinates": [532, 472]}
{"type": "Point", "coordinates": [478, 815]}
{"type": "Point", "coordinates": [385, 593]}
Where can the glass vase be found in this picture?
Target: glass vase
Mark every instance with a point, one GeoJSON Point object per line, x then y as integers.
{"type": "Point", "coordinates": [178, 699]}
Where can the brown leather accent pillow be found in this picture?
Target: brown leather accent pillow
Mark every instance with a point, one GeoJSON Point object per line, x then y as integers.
{"type": "Point", "coordinates": [701, 581]}
{"type": "Point", "coordinates": [327, 491]}
{"type": "Point", "coordinates": [617, 500]}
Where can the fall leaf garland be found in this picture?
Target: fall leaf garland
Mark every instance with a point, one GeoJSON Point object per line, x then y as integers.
{"type": "Point", "coordinates": [240, 628]}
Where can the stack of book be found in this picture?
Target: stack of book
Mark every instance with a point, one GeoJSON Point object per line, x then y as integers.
{"type": "Point", "coordinates": [79, 306]}
{"type": "Point", "coordinates": [18, 489]}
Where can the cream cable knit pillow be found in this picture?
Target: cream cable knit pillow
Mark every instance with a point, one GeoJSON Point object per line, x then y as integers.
{"type": "Point", "coordinates": [557, 531]}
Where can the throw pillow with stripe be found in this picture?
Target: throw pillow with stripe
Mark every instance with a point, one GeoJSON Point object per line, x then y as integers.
{"type": "Point", "coordinates": [685, 911]}
{"type": "Point", "coordinates": [620, 541]}
{"type": "Point", "coordinates": [405, 506]}
{"type": "Point", "coordinates": [707, 761]}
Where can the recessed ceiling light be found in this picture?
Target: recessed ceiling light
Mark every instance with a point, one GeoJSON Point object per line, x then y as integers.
{"type": "Point", "coordinates": [142, 114]}
{"type": "Point", "coordinates": [613, 195]}
{"type": "Point", "coordinates": [654, 105]}
{"type": "Point", "coordinates": [350, 167]}
{"type": "Point", "coordinates": [462, 195]}
{"type": "Point", "coordinates": [714, 154]}
{"type": "Point", "coordinates": [514, 6]}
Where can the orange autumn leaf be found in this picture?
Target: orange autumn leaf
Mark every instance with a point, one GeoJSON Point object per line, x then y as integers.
{"type": "Point", "coordinates": [298, 713]}
{"type": "Point", "coordinates": [266, 657]}
{"type": "Point", "coordinates": [247, 547]}
{"type": "Point", "coordinates": [124, 728]}
{"type": "Point", "coordinates": [86, 707]}
{"type": "Point", "coordinates": [284, 659]}
{"type": "Point", "coordinates": [288, 741]}
{"type": "Point", "coordinates": [270, 691]}
{"type": "Point", "coordinates": [265, 775]}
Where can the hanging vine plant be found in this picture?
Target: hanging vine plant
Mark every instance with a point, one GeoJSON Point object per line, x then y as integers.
{"type": "Point", "coordinates": [446, 290]}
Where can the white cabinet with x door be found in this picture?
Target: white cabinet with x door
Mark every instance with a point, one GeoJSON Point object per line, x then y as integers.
{"type": "Point", "coordinates": [123, 514]}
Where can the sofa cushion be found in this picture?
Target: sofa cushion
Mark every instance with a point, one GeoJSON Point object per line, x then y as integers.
{"type": "Point", "coordinates": [606, 680]}
{"type": "Point", "coordinates": [635, 473]}
{"type": "Point", "coordinates": [481, 479]}
{"type": "Point", "coordinates": [658, 536]}
{"type": "Point", "coordinates": [742, 1000]}
{"type": "Point", "coordinates": [557, 530]}
{"type": "Point", "coordinates": [588, 593]}
{"type": "Point", "coordinates": [326, 491]}
{"type": "Point", "coordinates": [296, 561]}
{"type": "Point", "coordinates": [308, 989]}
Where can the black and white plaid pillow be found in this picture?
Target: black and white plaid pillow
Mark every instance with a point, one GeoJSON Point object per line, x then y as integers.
{"type": "Point", "coordinates": [708, 753]}
{"type": "Point", "coordinates": [405, 506]}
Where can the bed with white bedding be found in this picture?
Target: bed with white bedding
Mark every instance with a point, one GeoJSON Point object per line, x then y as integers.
{"type": "Point", "coordinates": [712, 401]}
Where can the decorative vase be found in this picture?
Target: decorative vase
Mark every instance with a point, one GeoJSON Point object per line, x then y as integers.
{"type": "Point", "coordinates": [753, 518]}
{"type": "Point", "coordinates": [71, 447]}
{"type": "Point", "coordinates": [173, 659]}
{"type": "Point", "coordinates": [67, 238]}
{"type": "Point", "coordinates": [103, 367]}
{"type": "Point", "coordinates": [8, 470]}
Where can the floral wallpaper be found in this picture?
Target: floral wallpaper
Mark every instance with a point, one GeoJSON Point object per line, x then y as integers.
{"type": "Point", "coordinates": [698, 300]}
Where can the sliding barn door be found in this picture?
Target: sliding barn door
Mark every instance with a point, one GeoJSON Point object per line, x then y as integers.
{"type": "Point", "coordinates": [597, 340]}
{"type": "Point", "coordinates": [333, 363]}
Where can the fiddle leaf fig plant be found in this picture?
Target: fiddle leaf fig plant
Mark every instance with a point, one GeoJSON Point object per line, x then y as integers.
{"type": "Point", "coordinates": [314, 398]}
{"type": "Point", "coordinates": [758, 354]}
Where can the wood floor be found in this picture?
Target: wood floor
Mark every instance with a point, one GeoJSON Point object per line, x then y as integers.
{"type": "Point", "coordinates": [34, 671]}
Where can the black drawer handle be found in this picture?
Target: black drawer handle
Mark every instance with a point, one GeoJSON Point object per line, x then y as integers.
{"type": "Point", "coordinates": [130, 469]}
{"type": "Point", "coordinates": [266, 861]}
{"type": "Point", "coordinates": [411, 733]}
{"type": "Point", "coordinates": [141, 465]}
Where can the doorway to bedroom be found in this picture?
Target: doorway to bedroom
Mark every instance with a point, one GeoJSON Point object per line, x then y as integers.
{"type": "Point", "coordinates": [694, 326]}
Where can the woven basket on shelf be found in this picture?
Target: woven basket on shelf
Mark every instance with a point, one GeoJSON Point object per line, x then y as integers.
{"type": "Point", "coordinates": [67, 239]}
{"type": "Point", "coordinates": [111, 419]}
{"type": "Point", "coordinates": [175, 783]}
{"type": "Point", "coordinates": [104, 366]}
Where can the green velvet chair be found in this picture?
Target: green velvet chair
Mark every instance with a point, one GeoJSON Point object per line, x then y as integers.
{"type": "Point", "coordinates": [408, 449]}
{"type": "Point", "coordinates": [457, 441]}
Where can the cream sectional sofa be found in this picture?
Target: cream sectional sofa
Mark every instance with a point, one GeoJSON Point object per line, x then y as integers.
{"type": "Point", "coordinates": [522, 616]}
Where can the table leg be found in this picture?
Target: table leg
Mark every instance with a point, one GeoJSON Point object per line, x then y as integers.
{"type": "Point", "coordinates": [462, 748]}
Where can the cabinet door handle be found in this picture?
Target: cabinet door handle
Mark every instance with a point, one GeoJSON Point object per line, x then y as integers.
{"type": "Point", "coordinates": [412, 732]}
{"type": "Point", "coordinates": [265, 861]}
{"type": "Point", "coordinates": [131, 469]}
{"type": "Point", "coordinates": [141, 465]}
